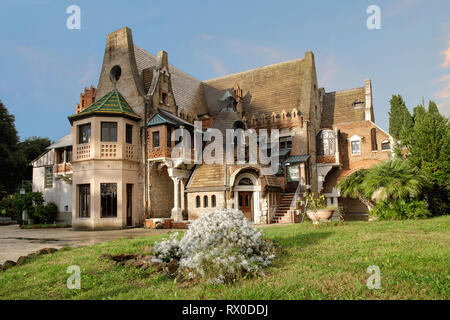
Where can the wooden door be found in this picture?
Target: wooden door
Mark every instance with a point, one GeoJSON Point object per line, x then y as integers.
{"type": "Point", "coordinates": [245, 204]}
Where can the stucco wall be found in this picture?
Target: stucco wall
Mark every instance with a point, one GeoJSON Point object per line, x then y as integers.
{"type": "Point", "coordinates": [60, 193]}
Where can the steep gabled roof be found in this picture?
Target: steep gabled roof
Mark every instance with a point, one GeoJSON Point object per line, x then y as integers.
{"type": "Point", "coordinates": [112, 103]}
{"type": "Point", "coordinates": [187, 90]}
{"type": "Point", "coordinates": [267, 89]}
{"type": "Point", "coordinates": [343, 106]}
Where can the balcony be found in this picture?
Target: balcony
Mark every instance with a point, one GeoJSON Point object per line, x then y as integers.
{"type": "Point", "coordinates": [106, 151]}
{"type": "Point", "coordinates": [63, 171]}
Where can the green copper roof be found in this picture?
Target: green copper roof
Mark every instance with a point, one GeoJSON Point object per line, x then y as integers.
{"type": "Point", "coordinates": [297, 159]}
{"type": "Point", "coordinates": [164, 117]}
{"type": "Point", "coordinates": [112, 103]}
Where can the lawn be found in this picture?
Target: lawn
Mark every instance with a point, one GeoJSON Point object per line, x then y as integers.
{"type": "Point", "coordinates": [317, 262]}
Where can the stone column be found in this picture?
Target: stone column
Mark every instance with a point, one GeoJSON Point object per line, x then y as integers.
{"type": "Point", "coordinates": [177, 214]}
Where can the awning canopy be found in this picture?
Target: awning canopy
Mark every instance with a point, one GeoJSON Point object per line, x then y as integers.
{"type": "Point", "coordinates": [297, 159]}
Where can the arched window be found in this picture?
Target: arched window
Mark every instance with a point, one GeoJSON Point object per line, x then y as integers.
{"type": "Point", "coordinates": [245, 182]}
{"type": "Point", "coordinates": [197, 201]}
{"type": "Point", "coordinates": [325, 143]}
{"type": "Point", "coordinates": [373, 139]}
{"type": "Point", "coordinates": [205, 201]}
{"type": "Point", "coordinates": [213, 201]}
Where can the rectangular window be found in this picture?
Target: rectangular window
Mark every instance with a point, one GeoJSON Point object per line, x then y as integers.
{"type": "Point", "coordinates": [69, 154]}
{"type": "Point", "coordinates": [385, 145]}
{"type": "Point", "coordinates": [356, 147]}
{"type": "Point", "coordinates": [109, 131]}
{"type": "Point", "coordinates": [155, 139]}
{"type": "Point", "coordinates": [129, 133]}
{"type": "Point", "coordinates": [48, 179]}
{"type": "Point", "coordinates": [84, 133]}
{"type": "Point", "coordinates": [108, 195]}
{"type": "Point", "coordinates": [286, 143]}
{"type": "Point", "coordinates": [84, 200]}
{"type": "Point", "coordinates": [169, 138]}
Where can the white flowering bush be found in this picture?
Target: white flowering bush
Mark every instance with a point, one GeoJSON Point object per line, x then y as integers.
{"type": "Point", "coordinates": [218, 247]}
{"type": "Point", "coordinates": [167, 249]}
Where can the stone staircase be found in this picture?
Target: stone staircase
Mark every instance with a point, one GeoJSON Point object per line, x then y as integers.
{"type": "Point", "coordinates": [282, 213]}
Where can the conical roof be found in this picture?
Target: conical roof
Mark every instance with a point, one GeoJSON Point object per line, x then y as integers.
{"type": "Point", "coordinates": [112, 103]}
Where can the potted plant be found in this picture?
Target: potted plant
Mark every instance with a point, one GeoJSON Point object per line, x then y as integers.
{"type": "Point", "coordinates": [318, 209]}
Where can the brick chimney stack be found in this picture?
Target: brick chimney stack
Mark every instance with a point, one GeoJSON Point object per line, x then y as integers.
{"type": "Point", "coordinates": [86, 99]}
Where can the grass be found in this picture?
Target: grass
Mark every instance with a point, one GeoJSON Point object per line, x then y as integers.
{"type": "Point", "coordinates": [317, 262]}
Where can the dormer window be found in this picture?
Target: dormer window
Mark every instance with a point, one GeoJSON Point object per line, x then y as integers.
{"type": "Point", "coordinates": [358, 104]}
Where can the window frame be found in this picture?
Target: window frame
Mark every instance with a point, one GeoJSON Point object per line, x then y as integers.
{"type": "Point", "coordinates": [81, 128]}
{"type": "Point", "coordinates": [156, 134]}
{"type": "Point", "coordinates": [358, 142]}
{"type": "Point", "coordinates": [326, 143]}
{"type": "Point", "coordinates": [110, 131]}
{"type": "Point", "coordinates": [48, 177]}
{"type": "Point", "coordinates": [111, 211]}
{"type": "Point", "coordinates": [129, 133]}
{"type": "Point", "coordinates": [383, 143]}
{"type": "Point", "coordinates": [373, 139]}
{"type": "Point", "coordinates": [87, 201]}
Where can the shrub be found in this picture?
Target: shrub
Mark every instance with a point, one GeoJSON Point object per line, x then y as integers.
{"type": "Point", "coordinates": [218, 247]}
{"type": "Point", "coordinates": [41, 213]}
{"type": "Point", "coordinates": [401, 209]}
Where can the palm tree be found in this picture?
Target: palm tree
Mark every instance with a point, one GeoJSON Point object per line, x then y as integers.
{"type": "Point", "coordinates": [352, 186]}
{"type": "Point", "coordinates": [392, 180]}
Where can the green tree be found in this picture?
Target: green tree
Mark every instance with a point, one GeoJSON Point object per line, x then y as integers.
{"type": "Point", "coordinates": [400, 120]}
{"type": "Point", "coordinates": [429, 150]}
{"type": "Point", "coordinates": [394, 180]}
{"type": "Point", "coordinates": [31, 149]}
{"type": "Point", "coordinates": [11, 159]}
{"type": "Point", "coordinates": [352, 186]}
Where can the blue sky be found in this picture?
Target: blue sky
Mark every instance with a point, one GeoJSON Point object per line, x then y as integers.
{"type": "Point", "coordinates": [44, 66]}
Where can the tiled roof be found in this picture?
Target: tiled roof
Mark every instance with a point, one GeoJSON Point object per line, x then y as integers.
{"type": "Point", "coordinates": [187, 90]}
{"type": "Point", "coordinates": [343, 106]}
{"type": "Point", "coordinates": [65, 141]}
{"type": "Point", "coordinates": [267, 89]}
{"type": "Point", "coordinates": [207, 175]}
{"type": "Point", "coordinates": [297, 159]}
{"type": "Point", "coordinates": [112, 103]}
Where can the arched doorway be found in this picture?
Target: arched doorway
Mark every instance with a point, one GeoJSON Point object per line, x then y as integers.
{"type": "Point", "coordinates": [246, 195]}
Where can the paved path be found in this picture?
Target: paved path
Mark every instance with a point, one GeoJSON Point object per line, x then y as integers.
{"type": "Point", "coordinates": [16, 242]}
